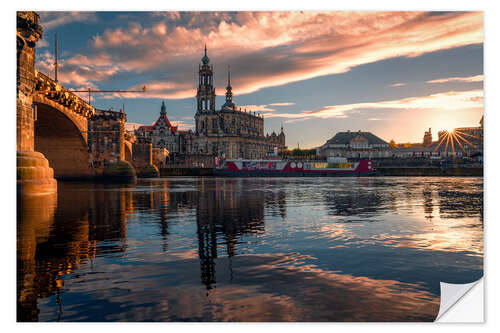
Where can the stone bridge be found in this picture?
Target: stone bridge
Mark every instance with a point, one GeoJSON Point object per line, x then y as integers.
{"type": "Point", "coordinates": [60, 128]}
{"type": "Point", "coordinates": [59, 135]}
{"type": "Point", "coordinates": [51, 122]}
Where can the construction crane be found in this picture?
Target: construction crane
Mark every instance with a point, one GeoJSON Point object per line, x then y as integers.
{"type": "Point", "coordinates": [89, 91]}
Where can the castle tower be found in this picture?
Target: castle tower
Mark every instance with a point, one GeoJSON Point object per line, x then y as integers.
{"type": "Point", "coordinates": [206, 91]}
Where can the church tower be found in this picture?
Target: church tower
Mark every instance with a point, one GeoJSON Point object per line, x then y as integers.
{"type": "Point", "coordinates": [229, 93]}
{"type": "Point", "coordinates": [206, 90]}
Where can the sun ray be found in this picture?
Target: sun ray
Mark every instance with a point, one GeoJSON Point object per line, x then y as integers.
{"type": "Point", "coordinates": [466, 141]}
{"type": "Point", "coordinates": [460, 144]}
{"type": "Point", "coordinates": [472, 136]}
{"type": "Point", "coordinates": [452, 144]}
{"type": "Point", "coordinates": [442, 139]}
{"type": "Point", "coordinates": [447, 142]}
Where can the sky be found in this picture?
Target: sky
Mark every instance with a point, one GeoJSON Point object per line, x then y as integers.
{"type": "Point", "coordinates": [395, 74]}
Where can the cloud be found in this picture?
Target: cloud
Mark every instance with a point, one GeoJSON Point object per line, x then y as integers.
{"type": "Point", "coordinates": [266, 49]}
{"type": "Point", "coordinates": [132, 126]}
{"type": "Point", "coordinates": [476, 78]}
{"type": "Point", "coordinates": [42, 43]}
{"type": "Point", "coordinates": [51, 20]}
{"type": "Point", "coordinates": [265, 107]}
{"type": "Point", "coordinates": [282, 104]}
{"type": "Point", "coordinates": [451, 100]}
{"type": "Point", "coordinates": [257, 108]}
{"type": "Point", "coordinates": [77, 71]}
{"type": "Point", "coordinates": [397, 84]}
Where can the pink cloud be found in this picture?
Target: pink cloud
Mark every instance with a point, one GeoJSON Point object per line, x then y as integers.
{"type": "Point", "coordinates": [132, 126]}
{"type": "Point", "coordinates": [476, 78]}
{"type": "Point", "coordinates": [265, 107]}
{"type": "Point", "coordinates": [268, 49]}
{"type": "Point", "coordinates": [451, 100]}
{"type": "Point", "coordinates": [50, 20]}
{"type": "Point", "coordinates": [397, 84]}
{"type": "Point", "coordinates": [282, 104]}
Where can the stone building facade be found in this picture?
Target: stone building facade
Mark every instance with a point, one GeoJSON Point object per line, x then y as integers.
{"type": "Point", "coordinates": [355, 145]}
{"type": "Point", "coordinates": [106, 138]}
{"type": "Point", "coordinates": [142, 153]}
{"type": "Point", "coordinates": [427, 141]}
{"type": "Point", "coordinates": [162, 133]}
{"type": "Point", "coordinates": [228, 132]}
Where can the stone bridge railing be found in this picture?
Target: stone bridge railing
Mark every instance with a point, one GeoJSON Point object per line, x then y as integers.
{"type": "Point", "coordinates": [54, 91]}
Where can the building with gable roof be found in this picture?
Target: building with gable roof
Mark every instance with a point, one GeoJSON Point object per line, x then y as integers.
{"type": "Point", "coordinates": [162, 133]}
{"type": "Point", "coordinates": [355, 145]}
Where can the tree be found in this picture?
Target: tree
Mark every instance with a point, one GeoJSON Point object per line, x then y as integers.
{"type": "Point", "coordinates": [393, 144]}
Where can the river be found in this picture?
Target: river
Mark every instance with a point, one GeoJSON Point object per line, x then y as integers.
{"type": "Point", "coordinates": [248, 249]}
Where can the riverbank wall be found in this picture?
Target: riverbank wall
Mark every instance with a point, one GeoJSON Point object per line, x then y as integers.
{"type": "Point", "coordinates": [428, 171]}
{"type": "Point", "coordinates": [166, 172]}
{"type": "Point", "coordinates": [380, 171]}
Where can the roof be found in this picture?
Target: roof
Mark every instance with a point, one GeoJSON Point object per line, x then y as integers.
{"type": "Point", "coordinates": [145, 128]}
{"type": "Point", "coordinates": [165, 119]}
{"type": "Point", "coordinates": [346, 137]}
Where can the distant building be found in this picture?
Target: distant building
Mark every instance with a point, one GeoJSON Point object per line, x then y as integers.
{"type": "Point", "coordinates": [461, 142]}
{"type": "Point", "coordinates": [427, 138]}
{"type": "Point", "coordinates": [355, 145]}
{"type": "Point", "coordinates": [106, 138]}
{"type": "Point", "coordinates": [162, 133]}
{"type": "Point", "coordinates": [470, 139]}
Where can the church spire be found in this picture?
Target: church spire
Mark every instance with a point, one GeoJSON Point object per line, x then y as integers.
{"type": "Point", "coordinates": [229, 91]}
{"type": "Point", "coordinates": [163, 108]}
{"type": "Point", "coordinates": [205, 58]}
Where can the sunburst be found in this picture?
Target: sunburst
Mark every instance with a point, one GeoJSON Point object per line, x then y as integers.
{"type": "Point", "coordinates": [458, 137]}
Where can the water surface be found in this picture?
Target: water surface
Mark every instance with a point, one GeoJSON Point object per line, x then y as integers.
{"type": "Point", "coordinates": [240, 249]}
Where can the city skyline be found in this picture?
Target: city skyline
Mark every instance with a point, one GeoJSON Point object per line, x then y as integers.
{"type": "Point", "coordinates": [392, 73]}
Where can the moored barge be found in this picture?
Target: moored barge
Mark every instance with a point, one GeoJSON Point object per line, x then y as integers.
{"type": "Point", "coordinates": [291, 168]}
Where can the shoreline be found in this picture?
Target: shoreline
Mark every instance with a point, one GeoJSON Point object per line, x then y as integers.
{"type": "Point", "coordinates": [379, 172]}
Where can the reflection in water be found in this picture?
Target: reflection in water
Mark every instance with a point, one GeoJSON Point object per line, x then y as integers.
{"type": "Point", "coordinates": [210, 249]}
{"type": "Point", "coordinates": [35, 216]}
{"type": "Point", "coordinates": [229, 210]}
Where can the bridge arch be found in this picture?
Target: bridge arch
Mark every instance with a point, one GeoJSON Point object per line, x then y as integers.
{"type": "Point", "coordinates": [61, 135]}
{"type": "Point", "coordinates": [128, 151]}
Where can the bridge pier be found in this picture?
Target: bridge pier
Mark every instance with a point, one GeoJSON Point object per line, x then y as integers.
{"type": "Point", "coordinates": [34, 175]}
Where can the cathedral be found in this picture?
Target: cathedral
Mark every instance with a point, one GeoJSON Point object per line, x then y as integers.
{"type": "Point", "coordinates": [228, 132]}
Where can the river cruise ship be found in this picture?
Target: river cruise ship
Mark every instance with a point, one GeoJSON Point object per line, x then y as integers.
{"type": "Point", "coordinates": [294, 168]}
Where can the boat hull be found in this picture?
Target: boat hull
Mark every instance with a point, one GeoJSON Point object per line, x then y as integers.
{"type": "Point", "coordinates": [260, 168]}
{"type": "Point", "coordinates": [227, 173]}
